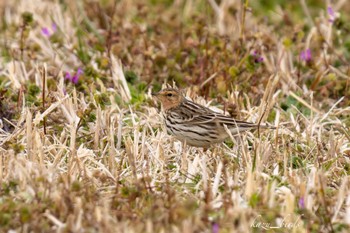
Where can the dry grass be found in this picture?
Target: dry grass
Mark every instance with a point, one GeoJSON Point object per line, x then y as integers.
{"type": "Point", "coordinates": [93, 156]}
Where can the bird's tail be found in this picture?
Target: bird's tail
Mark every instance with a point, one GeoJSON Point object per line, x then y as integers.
{"type": "Point", "coordinates": [241, 126]}
{"type": "Point", "coordinates": [264, 126]}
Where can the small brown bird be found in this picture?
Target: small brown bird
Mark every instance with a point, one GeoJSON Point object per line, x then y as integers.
{"type": "Point", "coordinates": [199, 126]}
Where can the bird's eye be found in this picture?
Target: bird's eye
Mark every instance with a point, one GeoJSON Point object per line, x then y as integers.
{"type": "Point", "coordinates": [169, 94]}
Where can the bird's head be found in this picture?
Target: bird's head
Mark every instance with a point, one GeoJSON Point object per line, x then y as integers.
{"type": "Point", "coordinates": [169, 98]}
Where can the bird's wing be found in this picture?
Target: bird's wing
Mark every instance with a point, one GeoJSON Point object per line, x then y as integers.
{"type": "Point", "coordinates": [191, 113]}
{"type": "Point", "coordinates": [219, 119]}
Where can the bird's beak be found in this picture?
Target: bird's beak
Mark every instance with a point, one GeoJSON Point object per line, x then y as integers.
{"type": "Point", "coordinates": [154, 94]}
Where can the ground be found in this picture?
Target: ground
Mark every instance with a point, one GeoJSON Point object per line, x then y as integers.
{"type": "Point", "coordinates": [83, 147]}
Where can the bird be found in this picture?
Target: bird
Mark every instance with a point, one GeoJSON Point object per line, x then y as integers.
{"type": "Point", "coordinates": [197, 125]}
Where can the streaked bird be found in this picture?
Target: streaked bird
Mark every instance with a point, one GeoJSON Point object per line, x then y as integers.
{"type": "Point", "coordinates": [195, 124]}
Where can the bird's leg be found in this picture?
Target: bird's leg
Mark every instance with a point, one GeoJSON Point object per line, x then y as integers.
{"type": "Point", "coordinates": [184, 163]}
{"type": "Point", "coordinates": [211, 155]}
{"type": "Point", "coordinates": [237, 140]}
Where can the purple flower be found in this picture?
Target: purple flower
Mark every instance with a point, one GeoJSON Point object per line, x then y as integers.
{"type": "Point", "coordinates": [80, 71]}
{"type": "Point", "coordinates": [330, 14]}
{"type": "Point", "coordinates": [45, 31]}
{"type": "Point", "coordinates": [48, 32]}
{"type": "Point", "coordinates": [75, 78]}
{"type": "Point", "coordinates": [257, 57]}
{"type": "Point", "coordinates": [306, 55]}
{"type": "Point", "coordinates": [301, 203]}
{"type": "Point", "coordinates": [68, 76]}
{"type": "Point", "coordinates": [259, 60]}
{"type": "Point", "coordinates": [215, 227]}
{"type": "Point", "coordinates": [54, 27]}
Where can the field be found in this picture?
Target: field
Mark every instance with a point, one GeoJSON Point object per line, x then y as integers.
{"type": "Point", "coordinates": [83, 147]}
